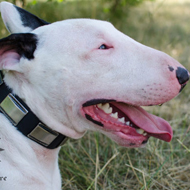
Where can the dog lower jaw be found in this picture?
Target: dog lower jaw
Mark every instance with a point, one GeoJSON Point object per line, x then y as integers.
{"type": "Point", "coordinates": [121, 121]}
{"type": "Point", "coordinates": [125, 135]}
{"type": "Point", "coordinates": [126, 139]}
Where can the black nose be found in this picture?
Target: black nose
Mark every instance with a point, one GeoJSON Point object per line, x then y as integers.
{"type": "Point", "coordinates": [182, 75]}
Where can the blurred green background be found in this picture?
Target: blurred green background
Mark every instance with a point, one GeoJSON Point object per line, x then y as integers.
{"type": "Point", "coordinates": [95, 162]}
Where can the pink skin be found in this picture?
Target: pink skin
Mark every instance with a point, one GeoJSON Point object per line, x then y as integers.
{"type": "Point", "coordinates": [8, 57]}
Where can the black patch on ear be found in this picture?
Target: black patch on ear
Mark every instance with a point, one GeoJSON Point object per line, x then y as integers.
{"type": "Point", "coordinates": [24, 44]}
{"type": "Point", "coordinates": [30, 20]}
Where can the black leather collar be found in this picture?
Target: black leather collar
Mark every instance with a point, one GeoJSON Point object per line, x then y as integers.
{"type": "Point", "coordinates": [20, 115]}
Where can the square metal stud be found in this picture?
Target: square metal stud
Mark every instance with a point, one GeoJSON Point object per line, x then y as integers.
{"type": "Point", "coordinates": [13, 109]}
{"type": "Point", "coordinates": [43, 135]}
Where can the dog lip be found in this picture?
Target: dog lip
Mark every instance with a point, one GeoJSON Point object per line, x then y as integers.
{"type": "Point", "coordinates": [127, 140]}
{"type": "Point", "coordinates": [94, 121]}
{"type": "Point", "coordinates": [97, 101]}
{"type": "Point", "coordinates": [182, 87]}
{"type": "Point", "coordinates": [145, 141]}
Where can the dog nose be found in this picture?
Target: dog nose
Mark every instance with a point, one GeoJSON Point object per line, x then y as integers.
{"type": "Point", "coordinates": [182, 75]}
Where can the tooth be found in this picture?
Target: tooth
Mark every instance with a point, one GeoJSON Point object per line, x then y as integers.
{"type": "Point", "coordinates": [105, 106]}
{"type": "Point", "coordinates": [99, 105]}
{"type": "Point", "coordinates": [115, 115]}
{"type": "Point", "coordinates": [145, 134]}
{"type": "Point", "coordinates": [107, 109]}
{"type": "Point", "coordinates": [122, 120]}
{"type": "Point", "coordinates": [128, 123]}
{"type": "Point", "coordinates": [140, 131]}
{"type": "Point", "coordinates": [131, 124]}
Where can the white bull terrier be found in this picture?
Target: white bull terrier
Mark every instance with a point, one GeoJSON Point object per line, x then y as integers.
{"type": "Point", "coordinates": [60, 80]}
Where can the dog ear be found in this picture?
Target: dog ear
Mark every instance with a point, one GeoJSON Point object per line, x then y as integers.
{"type": "Point", "coordinates": [14, 47]}
{"type": "Point", "coordinates": [18, 20]}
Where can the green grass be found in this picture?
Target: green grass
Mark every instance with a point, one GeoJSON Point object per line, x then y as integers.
{"type": "Point", "coordinates": [95, 162]}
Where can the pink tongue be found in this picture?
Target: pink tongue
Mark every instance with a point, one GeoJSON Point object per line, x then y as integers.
{"type": "Point", "coordinates": [155, 126]}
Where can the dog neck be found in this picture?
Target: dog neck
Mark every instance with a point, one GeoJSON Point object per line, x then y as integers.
{"type": "Point", "coordinates": [20, 115]}
{"type": "Point", "coordinates": [19, 154]}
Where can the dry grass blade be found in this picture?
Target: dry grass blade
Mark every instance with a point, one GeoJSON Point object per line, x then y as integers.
{"type": "Point", "coordinates": [100, 172]}
{"type": "Point", "coordinates": [188, 150]}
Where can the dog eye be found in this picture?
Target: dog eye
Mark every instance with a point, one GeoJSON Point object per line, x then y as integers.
{"type": "Point", "coordinates": [103, 46]}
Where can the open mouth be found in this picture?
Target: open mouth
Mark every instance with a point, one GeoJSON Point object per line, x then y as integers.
{"type": "Point", "coordinates": [129, 123]}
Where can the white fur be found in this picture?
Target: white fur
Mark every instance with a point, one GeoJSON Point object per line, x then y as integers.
{"type": "Point", "coordinates": [11, 19]}
{"type": "Point", "coordinates": [68, 70]}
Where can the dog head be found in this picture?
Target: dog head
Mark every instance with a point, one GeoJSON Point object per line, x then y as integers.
{"type": "Point", "coordinates": [83, 74]}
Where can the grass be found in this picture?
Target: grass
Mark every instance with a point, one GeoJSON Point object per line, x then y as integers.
{"type": "Point", "coordinates": [95, 162]}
